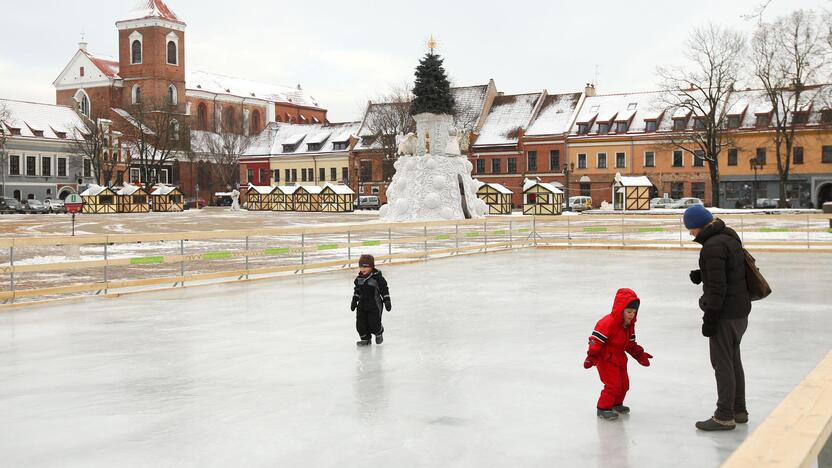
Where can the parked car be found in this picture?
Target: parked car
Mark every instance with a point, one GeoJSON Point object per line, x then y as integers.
{"type": "Point", "coordinates": [765, 203]}
{"type": "Point", "coordinates": [33, 206]}
{"type": "Point", "coordinates": [775, 202]}
{"type": "Point", "coordinates": [579, 203]}
{"type": "Point", "coordinates": [658, 203]}
{"type": "Point", "coordinates": [195, 204]}
{"type": "Point", "coordinates": [54, 206]}
{"type": "Point", "coordinates": [367, 202]}
{"type": "Point", "coordinates": [683, 203]}
{"type": "Point", "coordinates": [10, 205]}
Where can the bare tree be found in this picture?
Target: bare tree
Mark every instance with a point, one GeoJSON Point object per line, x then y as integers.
{"type": "Point", "coordinates": [223, 151]}
{"type": "Point", "coordinates": [97, 142]}
{"type": "Point", "coordinates": [788, 56]}
{"type": "Point", "coordinates": [387, 118]}
{"type": "Point", "coordinates": [155, 137]}
{"type": "Point", "coordinates": [5, 116]}
{"type": "Point", "coordinates": [702, 90]}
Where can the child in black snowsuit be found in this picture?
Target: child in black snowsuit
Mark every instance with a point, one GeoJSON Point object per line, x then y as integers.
{"type": "Point", "coordinates": [371, 294]}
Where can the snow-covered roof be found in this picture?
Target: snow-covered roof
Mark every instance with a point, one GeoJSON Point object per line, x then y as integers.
{"type": "Point", "coordinates": [498, 187]}
{"type": "Point", "coordinates": [507, 115]}
{"type": "Point", "coordinates": [313, 189]}
{"type": "Point", "coordinates": [151, 9]}
{"type": "Point", "coordinates": [280, 136]}
{"type": "Point", "coordinates": [555, 115]}
{"type": "Point", "coordinates": [317, 138]}
{"type": "Point", "coordinates": [527, 184]}
{"type": "Point", "coordinates": [31, 118]}
{"type": "Point", "coordinates": [108, 65]}
{"type": "Point", "coordinates": [340, 189]}
{"type": "Point", "coordinates": [93, 190]}
{"type": "Point", "coordinates": [162, 190]}
{"type": "Point", "coordinates": [261, 189]}
{"type": "Point", "coordinates": [634, 108]}
{"type": "Point", "coordinates": [240, 87]}
{"type": "Point", "coordinates": [632, 181]}
{"type": "Point", "coordinates": [287, 189]}
{"type": "Point", "coordinates": [128, 190]}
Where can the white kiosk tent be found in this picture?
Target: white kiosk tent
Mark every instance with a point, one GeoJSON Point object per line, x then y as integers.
{"type": "Point", "coordinates": [541, 198]}
{"type": "Point", "coordinates": [132, 199]}
{"type": "Point", "coordinates": [631, 193]}
{"type": "Point", "coordinates": [337, 198]}
{"type": "Point", "coordinates": [496, 196]}
{"type": "Point", "coordinates": [284, 198]}
{"type": "Point", "coordinates": [167, 198]}
{"type": "Point", "coordinates": [99, 200]}
{"type": "Point", "coordinates": [260, 198]}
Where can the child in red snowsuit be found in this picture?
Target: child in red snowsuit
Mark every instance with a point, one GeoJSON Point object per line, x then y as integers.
{"type": "Point", "coordinates": [614, 335]}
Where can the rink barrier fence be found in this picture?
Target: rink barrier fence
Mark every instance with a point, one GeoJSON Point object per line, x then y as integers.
{"type": "Point", "coordinates": [413, 241]}
{"type": "Point", "coordinates": [797, 433]}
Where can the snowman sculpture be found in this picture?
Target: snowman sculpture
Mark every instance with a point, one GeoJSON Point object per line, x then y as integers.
{"type": "Point", "coordinates": [432, 179]}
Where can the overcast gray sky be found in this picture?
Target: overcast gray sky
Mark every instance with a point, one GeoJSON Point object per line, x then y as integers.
{"type": "Point", "coordinates": [345, 52]}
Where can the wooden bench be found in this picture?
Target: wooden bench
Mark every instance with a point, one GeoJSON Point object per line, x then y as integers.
{"type": "Point", "coordinates": [797, 432]}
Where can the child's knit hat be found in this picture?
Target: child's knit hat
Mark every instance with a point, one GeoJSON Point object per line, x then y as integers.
{"type": "Point", "coordinates": [367, 260]}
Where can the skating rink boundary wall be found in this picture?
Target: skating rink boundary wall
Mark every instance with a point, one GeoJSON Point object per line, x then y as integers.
{"type": "Point", "coordinates": [797, 433]}
{"type": "Point", "coordinates": [54, 267]}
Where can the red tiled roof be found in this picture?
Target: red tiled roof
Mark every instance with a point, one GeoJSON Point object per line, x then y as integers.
{"type": "Point", "coordinates": [107, 65]}
{"type": "Point", "coordinates": [152, 9]}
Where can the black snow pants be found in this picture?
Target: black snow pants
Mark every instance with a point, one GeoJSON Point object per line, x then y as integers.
{"type": "Point", "coordinates": [367, 322]}
{"type": "Point", "coordinates": [727, 364]}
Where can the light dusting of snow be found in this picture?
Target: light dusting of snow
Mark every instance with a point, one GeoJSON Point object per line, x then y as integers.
{"type": "Point", "coordinates": [508, 114]}
{"type": "Point", "coordinates": [554, 115]}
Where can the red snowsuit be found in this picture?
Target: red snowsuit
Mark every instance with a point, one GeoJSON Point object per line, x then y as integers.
{"type": "Point", "coordinates": [607, 346]}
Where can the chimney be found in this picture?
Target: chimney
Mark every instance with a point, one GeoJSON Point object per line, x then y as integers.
{"type": "Point", "coordinates": [589, 90]}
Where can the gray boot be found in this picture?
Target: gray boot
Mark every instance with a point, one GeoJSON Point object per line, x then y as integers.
{"type": "Point", "coordinates": [621, 409]}
{"type": "Point", "coordinates": [606, 414]}
{"type": "Point", "coordinates": [741, 417]}
{"type": "Point", "coordinates": [714, 424]}
{"type": "Point", "coordinates": [363, 342]}
{"type": "Point", "coordinates": [379, 339]}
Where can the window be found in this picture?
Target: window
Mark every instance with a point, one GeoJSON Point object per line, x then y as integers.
{"type": "Point", "coordinates": [172, 95]}
{"type": "Point", "coordinates": [554, 160]}
{"type": "Point", "coordinates": [137, 94]}
{"type": "Point", "coordinates": [366, 171]}
{"type": "Point", "coordinates": [698, 158]}
{"type": "Point", "coordinates": [679, 124]}
{"type": "Point", "coordinates": [345, 174]}
{"type": "Point", "coordinates": [333, 174]}
{"type": "Point", "coordinates": [321, 174]}
{"type": "Point", "coordinates": [650, 125]}
{"type": "Point", "coordinates": [276, 175]}
{"type": "Point", "coordinates": [255, 122]}
{"type": "Point", "coordinates": [480, 166]}
{"type": "Point", "coordinates": [163, 178]}
{"type": "Point", "coordinates": [288, 175]}
{"type": "Point", "coordinates": [763, 120]}
{"type": "Point", "coordinates": [250, 175]}
{"type": "Point", "coordinates": [678, 159]}
{"type": "Point", "coordinates": [136, 51]}
{"type": "Point", "coordinates": [495, 166]}
{"type": "Point", "coordinates": [677, 190]}
{"type": "Point", "coordinates": [826, 116]}
{"type": "Point", "coordinates": [797, 155]}
{"type": "Point", "coordinates": [622, 127]}
{"type": "Point", "coordinates": [264, 176]}
{"type": "Point", "coordinates": [31, 165]}
{"type": "Point", "coordinates": [174, 130]}
{"type": "Point", "coordinates": [733, 121]}
{"type": "Point", "coordinates": [532, 160]}
{"type": "Point", "coordinates": [602, 160]}
{"type": "Point", "coordinates": [761, 155]}
{"type": "Point", "coordinates": [120, 178]}
{"type": "Point", "coordinates": [581, 161]}
{"type": "Point", "coordinates": [586, 189]}
{"type": "Point", "coordinates": [732, 156]}
{"type": "Point", "coordinates": [698, 190]}
{"type": "Point", "coordinates": [649, 159]}
{"type": "Point", "coordinates": [172, 55]}
{"type": "Point", "coordinates": [228, 119]}
{"type": "Point", "coordinates": [620, 160]}
{"type": "Point", "coordinates": [826, 155]}
{"type": "Point", "coordinates": [603, 128]}
{"type": "Point", "coordinates": [14, 165]}
{"type": "Point", "coordinates": [632, 106]}
{"type": "Point", "coordinates": [17, 195]}
{"type": "Point", "coordinates": [46, 166]}
{"type": "Point", "coordinates": [61, 167]}
{"type": "Point", "coordinates": [87, 168]}
{"type": "Point", "coordinates": [294, 175]}
{"type": "Point", "coordinates": [375, 191]}
{"type": "Point", "coordinates": [699, 123]}
{"type": "Point", "coordinates": [340, 145]}
{"type": "Point", "coordinates": [303, 175]}
{"type": "Point", "coordinates": [512, 165]}
{"type": "Point", "coordinates": [800, 118]}
{"type": "Point", "coordinates": [81, 71]}
{"type": "Point", "coordinates": [202, 116]}
{"type": "Point", "coordinates": [583, 128]}
{"type": "Point", "coordinates": [135, 174]}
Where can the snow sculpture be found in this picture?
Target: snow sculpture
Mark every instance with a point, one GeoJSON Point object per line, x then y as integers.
{"type": "Point", "coordinates": [407, 144]}
{"type": "Point", "coordinates": [235, 200]}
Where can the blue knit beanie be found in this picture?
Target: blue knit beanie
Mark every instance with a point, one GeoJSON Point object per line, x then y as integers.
{"type": "Point", "coordinates": [697, 216]}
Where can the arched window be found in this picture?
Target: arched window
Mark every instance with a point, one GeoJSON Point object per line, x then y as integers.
{"type": "Point", "coordinates": [83, 102]}
{"type": "Point", "coordinates": [172, 95]}
{"type": "Point", "coordinates": [137, 94]}
{"type": "Point", "coordinates": [136, 52]}
{"type": "Point", "coordinates": [228, 119]}
{"type": "Point", "coordinates": [172, 55]}
{"type": "Point", "coordinates": [174, 130]}
{"type": "Point", "coordinates": [255, 122]}
{"type": "Point", "coordinates": [202, 116]}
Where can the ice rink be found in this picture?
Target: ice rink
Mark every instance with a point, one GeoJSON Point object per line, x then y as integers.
{"type": "Point", "coordinates": [481, 366]}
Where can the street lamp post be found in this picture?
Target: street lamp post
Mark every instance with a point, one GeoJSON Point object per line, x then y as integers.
{"type": "Point", "coordinates": [756, 165]}
{"type": "Point", "coordinates": [568, 169]}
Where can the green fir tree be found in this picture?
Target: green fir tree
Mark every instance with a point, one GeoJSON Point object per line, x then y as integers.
{"type": "Point", "coordinates": [432, 89]}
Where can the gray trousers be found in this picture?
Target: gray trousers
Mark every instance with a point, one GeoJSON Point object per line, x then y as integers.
{"type": "Point", "coordinates": [727, 364]}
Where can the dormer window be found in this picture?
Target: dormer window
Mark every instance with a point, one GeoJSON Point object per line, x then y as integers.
{"type": "Point", "coordinates": [340, 145]}
{"type": "Point", "coordinates": [699, 123]}
{"type": "Point", "coordinates": [679, 124]}
{"type": "Point", "coordinates": [289, 148]}
{"type": "Point", "coordinates": [763, 120]}
{"type": "Point", "coordinates": [650, 125]}
{"type": "Point", "coordinates": [583, 128]}
{"type": "Point", "coordinates": [733, 121]}
{"type": "Point", "coordinates": [826, 116]}
{"type": "Point", "coordinates": [603, 128]}
{"type": "Point", "coordinates": [622, 127]}
{"type": "Point", "coordinates": [314, 146]}
{"type": "Point", "coordinates": [800, 118]}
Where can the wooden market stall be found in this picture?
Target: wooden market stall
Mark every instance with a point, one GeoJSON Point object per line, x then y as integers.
{"type": "Point", "coordinates": [496, 196]}
{"type": "Point", "coordinates": [541, 198]}
{"type": "Point", "coordinates": [167, 198]}
{"type": "Point", "coordinates": [631, 193]}
{"type": "Point", "coordinates": [337, 198]}
{"type": "Point", "coordinates": [99, 200]}
{"type": "Point", "coordinates": [307, 198]}
{"type": "Point", "coordinates": [132, 199]}
{"type": "Point", "coordinates": [260, 198]}
{"type": "Point", "coordinates": [284, 198]}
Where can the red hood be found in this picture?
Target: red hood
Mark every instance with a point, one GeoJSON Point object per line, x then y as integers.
{"type": "Point", "coordinates": [623, 297]}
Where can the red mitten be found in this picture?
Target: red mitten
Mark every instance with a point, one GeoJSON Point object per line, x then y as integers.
{"type": "Point", "coordinates": [644, 359]}
{"type": "Point", "coordinates": [589, 362]}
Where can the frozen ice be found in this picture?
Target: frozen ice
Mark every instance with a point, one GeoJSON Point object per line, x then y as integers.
{"type": "Point", "coordinates": [481, 366]}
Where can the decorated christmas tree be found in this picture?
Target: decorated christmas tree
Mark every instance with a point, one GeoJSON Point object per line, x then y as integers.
{"type": "Point", "coordinates": [432, 90]}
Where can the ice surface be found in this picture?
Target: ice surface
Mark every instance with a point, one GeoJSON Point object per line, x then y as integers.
{"type": "Point", "coordinates": [481, 366]}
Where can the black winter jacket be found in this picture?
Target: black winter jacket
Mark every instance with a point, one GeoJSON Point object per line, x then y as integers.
{"type": "Point", "coordinates": [722, 264]}
{"type": "Point", "coordinates": [371, 292]}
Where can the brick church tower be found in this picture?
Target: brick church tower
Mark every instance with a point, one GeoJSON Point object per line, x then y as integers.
{"type": "Point", "coordinates": [151, 56]}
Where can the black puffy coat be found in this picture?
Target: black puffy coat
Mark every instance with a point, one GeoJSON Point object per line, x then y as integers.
{"type": "Point", "coordinates": [722, 264]}
{"type": "Point", "coordinates": [371, 292]}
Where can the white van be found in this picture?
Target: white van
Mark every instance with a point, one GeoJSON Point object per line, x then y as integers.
{"type": "Point", "coordinates": [367, 202]}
